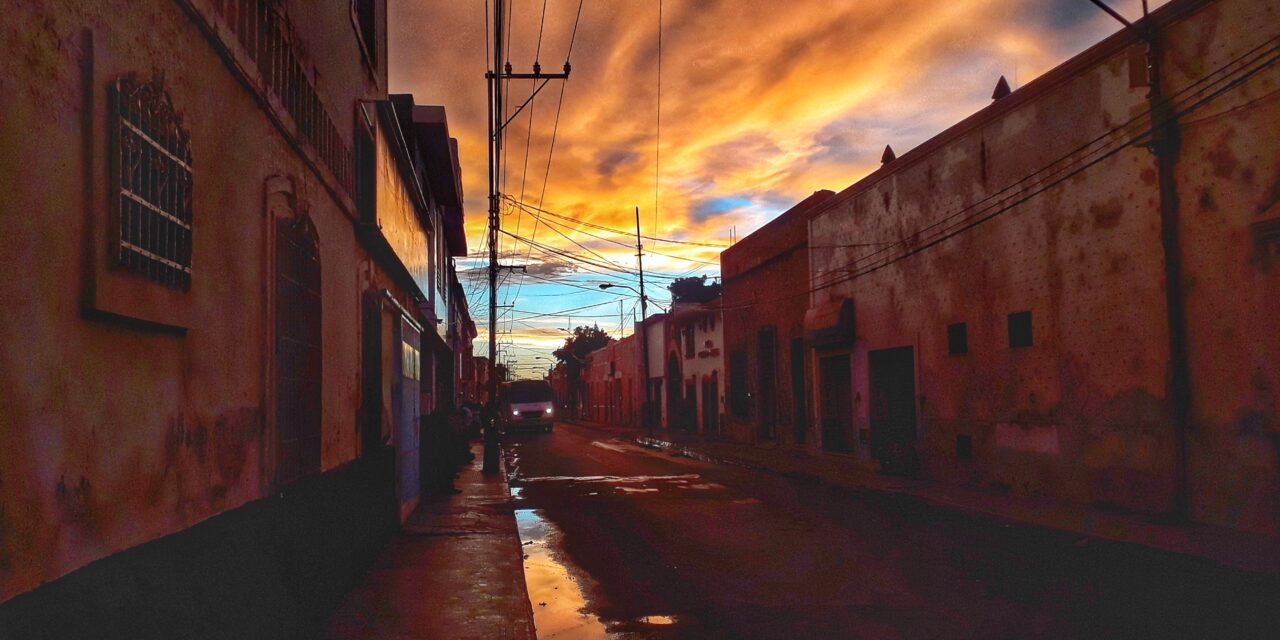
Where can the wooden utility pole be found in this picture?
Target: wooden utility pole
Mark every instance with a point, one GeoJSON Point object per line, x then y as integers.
{"type": "Point", "coordinates": [1165, 147]}
{"type": "Point", "coordinates": [496, 74]}
{"type": "Point", "coordinates": [644, 326]}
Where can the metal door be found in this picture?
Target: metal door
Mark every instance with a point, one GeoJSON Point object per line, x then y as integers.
{"type": "Point", "coordinates": [405, 407]}
{"type": "Point", "coordinates": [893, 408]}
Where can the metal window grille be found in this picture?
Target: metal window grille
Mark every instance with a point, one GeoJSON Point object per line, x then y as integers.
{"type": "Point", "coordinates": [153, 182]}
{"type": "Point", "coordinates": [265, 35]}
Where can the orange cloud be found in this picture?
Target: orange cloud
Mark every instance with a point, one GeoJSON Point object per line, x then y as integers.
{"type": "Point", "coordinates": [761, 103]}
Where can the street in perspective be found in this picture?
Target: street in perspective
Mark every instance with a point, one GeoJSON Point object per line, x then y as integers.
{"type": "Point", "coordinates": [623, 320]}
{"type": "Point", "coordinates": [627, 539]}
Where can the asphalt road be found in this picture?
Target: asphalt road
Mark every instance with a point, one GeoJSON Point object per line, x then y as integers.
{"type": "Point", "coordinates": [628, 542]}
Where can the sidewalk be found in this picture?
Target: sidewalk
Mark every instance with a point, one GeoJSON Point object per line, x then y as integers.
{"type": "Point", "coordinates": [455, 570]}
{"type": "Point", "coordinates": [1228, 547]}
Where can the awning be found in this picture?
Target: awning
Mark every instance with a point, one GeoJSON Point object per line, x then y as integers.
{"type": "Point", "coordinates": [830, 325]}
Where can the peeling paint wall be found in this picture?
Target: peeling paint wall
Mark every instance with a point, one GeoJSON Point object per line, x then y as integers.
{"type": "Point", "coordinates": [1229, 191]}
{"type": "Point", "coordinates": [115, 431]}
{"type": "Point", "coordinates": [1083, 413]}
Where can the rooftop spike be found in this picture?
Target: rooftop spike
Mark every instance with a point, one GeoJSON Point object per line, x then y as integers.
{"type": "Point", "coordinates": [1002, 89]}
{"type": "Point", "coordinates": [889, 155]}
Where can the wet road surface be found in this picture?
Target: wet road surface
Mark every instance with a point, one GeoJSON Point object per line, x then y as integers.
{"type": "Point", "coordinates": [628, 542]}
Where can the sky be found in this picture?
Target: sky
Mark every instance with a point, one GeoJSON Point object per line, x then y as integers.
{"type": "Point", "coordinates": [752, 109]}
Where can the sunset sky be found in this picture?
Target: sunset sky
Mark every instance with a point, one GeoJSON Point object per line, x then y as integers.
{"type": "Point", "coordinates": [762, 103]}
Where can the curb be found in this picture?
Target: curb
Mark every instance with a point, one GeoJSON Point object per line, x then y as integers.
{"type": "Point", "coordinates": [510, 503]}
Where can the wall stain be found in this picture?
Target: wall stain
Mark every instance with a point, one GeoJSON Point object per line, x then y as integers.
{"type": "Point", "coordinates": [1271, 198]}
{"type": "Point", "coordinates": [1106, 215]}
{"type": "Point", "coordinates": [1223, 161]}
{"type": "Point", "coordinates": [1207, 202]}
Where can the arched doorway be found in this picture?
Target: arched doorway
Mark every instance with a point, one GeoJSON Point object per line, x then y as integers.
{"type": "Point", "coordinates": [675, 392]}
{"type": "Point", "coordinates": [298, 356]}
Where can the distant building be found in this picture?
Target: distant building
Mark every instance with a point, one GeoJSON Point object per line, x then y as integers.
{"type": "Point", "coordinates": [1007, 284]}
{"type": "Point", "coordinates": [694, 367]}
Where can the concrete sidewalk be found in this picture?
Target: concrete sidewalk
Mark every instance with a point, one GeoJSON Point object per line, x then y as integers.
{"type": "Point", "coordinates": [455, 570]}
{"type": "Point", "coordinates": [1228, 547]}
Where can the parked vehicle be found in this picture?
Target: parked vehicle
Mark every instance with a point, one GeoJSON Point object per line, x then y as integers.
{"type": "Point", "coordinates": [527, 405]}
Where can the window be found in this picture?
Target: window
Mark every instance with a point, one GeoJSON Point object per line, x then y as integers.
{"type": "Point", "coordinates": [152, 182]}
{"type": "Point", "coordinates": [366, 159]}
{"type": "Point", "coordinates": [957, 339]}
{"type": "Point", "coordinates": [1020, 329]}
{"type": "Point", "coordinates": [366, 22]}
{"type": "Point", "coordinates": [689, 349]}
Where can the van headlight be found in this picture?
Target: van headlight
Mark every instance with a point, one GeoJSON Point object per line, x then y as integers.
{"type": "Point", "coordinates": [515, 413]}
{"type": "Point", "coordinates": [548, 410]}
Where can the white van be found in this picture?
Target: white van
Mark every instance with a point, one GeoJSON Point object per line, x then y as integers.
{"type": "Point", "coordinates": [527, 405]}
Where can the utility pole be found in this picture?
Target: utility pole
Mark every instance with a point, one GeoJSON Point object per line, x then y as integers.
{"type": "Point", "coordinates": [644, 326]}
{"type": "Point", "coordinates": [494, 77]}
{"type": "Point", "coordinates": [1165, 147]}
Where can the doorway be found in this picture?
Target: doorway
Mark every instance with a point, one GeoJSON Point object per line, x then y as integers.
{"type": "Point", "coordinates": [799, 404]}
{"type": "Point", "coordinates": [674, 391]}
{"type": "Point", "coordinates": [836, 400]}
{"type": "Point", "coordinates": [767, 344]}
{"type": "Point", "coordinates": [711, 406]}
{"type": "Point", "coordinates": [893, 409]}
{"type": "Point", "coordinates": [298, 357]}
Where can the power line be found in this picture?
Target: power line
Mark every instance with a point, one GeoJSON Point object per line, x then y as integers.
{"type": "Point", "coordinates": [533, 212]}
{"type": "Point", "coordinates": [629, 234]}
{"type": "Point", "coordinates": [657, 138]}
{"type": "Point", "coordinates": [985, 213]}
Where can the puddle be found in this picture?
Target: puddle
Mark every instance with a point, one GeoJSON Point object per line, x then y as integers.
{"type": "Point", "coordinates": [608, 446]}
{"type": "Point", "coordinates": [658, 620]}
{"type": "Point", "coordinates": [559, 608]}
{"type": "Point", "coordinates": [613, 479]}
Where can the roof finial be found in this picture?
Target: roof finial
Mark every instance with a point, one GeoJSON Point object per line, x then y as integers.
{"type": "Point", "coordinates": [889, 155]}
{"type": "Point", "coordinates": [1002, 89]}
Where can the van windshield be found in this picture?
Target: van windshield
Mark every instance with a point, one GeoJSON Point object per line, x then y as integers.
{"type": "Point", "coordinates": [529, 391]}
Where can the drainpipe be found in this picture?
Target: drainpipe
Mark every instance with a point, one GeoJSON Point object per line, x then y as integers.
{"type": "Point", "coordinates": [1165, 147]}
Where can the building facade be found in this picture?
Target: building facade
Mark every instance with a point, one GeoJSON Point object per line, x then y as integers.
{"type": "Point", "coordinates": [694, 398]}
{"type": "Point", "coordinates": [769, 380]}
{"type": "Point", "coordinates": [1071, 293]}
{"type": "Point", "coordinates": [232, 251]}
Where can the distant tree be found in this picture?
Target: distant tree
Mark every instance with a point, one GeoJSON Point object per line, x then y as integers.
{"type": "Point", "coordinates": [693, 289]}
{"type": "Point", "coordinates": [576, 347]}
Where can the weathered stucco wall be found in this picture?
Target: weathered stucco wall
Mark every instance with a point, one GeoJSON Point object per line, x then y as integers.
{"type": "Point", "coordinates": [115, 432]}
{"type": "Point", "coordinates": [1229, 188]}
{"type": "Point", "coordinates": [1083, 413]}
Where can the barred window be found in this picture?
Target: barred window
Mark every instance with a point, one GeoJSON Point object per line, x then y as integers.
{"type": "Point", "coordinates": [153, 176]}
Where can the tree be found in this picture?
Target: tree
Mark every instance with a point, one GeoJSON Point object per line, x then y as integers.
{"type": "Point", "coordinates": [576, 347]}
{"type": "Point", "coordinates": [693, 289]}
{"type": "Point", "coordinates": [574, 352]}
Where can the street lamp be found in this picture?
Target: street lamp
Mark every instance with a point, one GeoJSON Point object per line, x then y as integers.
{"type": "Point", "coordinates": [610, 285]}
{"type": "Point", "coordinates": [643, 298]}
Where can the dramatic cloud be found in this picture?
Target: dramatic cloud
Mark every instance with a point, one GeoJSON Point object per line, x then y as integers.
{"type": "Point", "coordinates": [761, 104]}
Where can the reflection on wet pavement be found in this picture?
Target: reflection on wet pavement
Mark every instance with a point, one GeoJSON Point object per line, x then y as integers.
{"type": "Point", "coordinates": [559, 609]}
